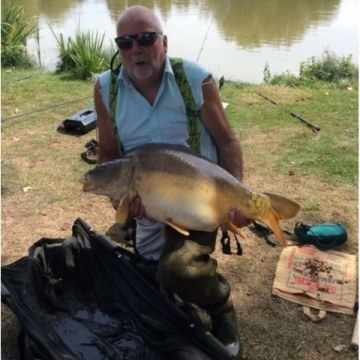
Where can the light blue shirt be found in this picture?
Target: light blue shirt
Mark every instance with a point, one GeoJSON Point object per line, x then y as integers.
{"type": "Point", "coordinates": [165, 121]}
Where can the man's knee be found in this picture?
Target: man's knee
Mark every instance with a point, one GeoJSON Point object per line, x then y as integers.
{"type": "Point", "coordinates": [191, 263]}
{"type": "Point", "coordinates": [186, 259]}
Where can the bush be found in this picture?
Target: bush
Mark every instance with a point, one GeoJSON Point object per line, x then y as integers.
{"type": "Point", "coordinates": [82, 56]}
{"type": "Point", "coordinates": [14, 32]}
{"type": "Point", "coordinates": [329, 69]}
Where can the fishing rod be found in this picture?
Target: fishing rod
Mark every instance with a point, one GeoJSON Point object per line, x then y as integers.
{"type": "Point", "coordinates": [11, 82]}
{"type": "Point", "coordinates": [202, 46]}
{"type": "Point", "coordinates": [309, 124]}
{"type": "Point", "coordinates": [36, 111]}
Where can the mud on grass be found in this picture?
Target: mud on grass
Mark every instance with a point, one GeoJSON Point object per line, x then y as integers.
{"type": "Point", "coordinates": [41, 197]}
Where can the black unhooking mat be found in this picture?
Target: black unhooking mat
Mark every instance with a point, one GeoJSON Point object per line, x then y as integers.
{"type": "Point", "coordinates": [83, 298]}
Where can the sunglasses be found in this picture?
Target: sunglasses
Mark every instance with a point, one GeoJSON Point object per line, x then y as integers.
{"type": "Point", "coordinates": [143, 39]}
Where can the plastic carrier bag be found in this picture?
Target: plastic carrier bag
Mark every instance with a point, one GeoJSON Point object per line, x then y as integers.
{"type": "Point", "coordinates": [324, 236]}
{"type": "Point", "coordinates": [85, 298]}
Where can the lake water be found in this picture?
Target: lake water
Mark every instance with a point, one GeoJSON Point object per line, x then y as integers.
{"type": "Point", "coordinates": [234, 38]}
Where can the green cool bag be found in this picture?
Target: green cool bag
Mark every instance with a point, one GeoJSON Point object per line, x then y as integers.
{"type": "Point", "coordinates": [324, 236]}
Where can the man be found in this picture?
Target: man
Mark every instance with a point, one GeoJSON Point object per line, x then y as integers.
{"type": "Point", "coordinates": [150, 108]}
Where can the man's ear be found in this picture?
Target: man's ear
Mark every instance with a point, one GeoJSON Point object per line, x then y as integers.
{"type": "Point", "coordinates": [165, 43]}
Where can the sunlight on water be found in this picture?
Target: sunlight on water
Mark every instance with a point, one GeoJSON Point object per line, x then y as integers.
{"type": "Point", "coordinates": [234, 38]}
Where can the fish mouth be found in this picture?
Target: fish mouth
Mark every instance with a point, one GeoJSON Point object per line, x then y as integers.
{"type": "Point", "coordinates": [86, 183]}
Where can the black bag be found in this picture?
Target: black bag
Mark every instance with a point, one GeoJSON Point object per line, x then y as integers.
{"type": "Point", "coordinates": [83, 298]}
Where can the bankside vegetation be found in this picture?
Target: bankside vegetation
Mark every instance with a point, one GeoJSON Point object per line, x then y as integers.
{"type": "Point", "coordinates": [80, 56]}
{"type": "Point", "coordinates": [316, 72]}
{"type": "Point", "coordinates": [15, 30]}
{"type": "Point", "coordinates": [84, 55]}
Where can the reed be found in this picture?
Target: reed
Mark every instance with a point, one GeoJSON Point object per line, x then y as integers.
{"type": "Point", "coordinates": [37, 43]}
{"type": "Point", "coordinates": [84, 55]}
{"type": "Point", "coordinates": [15, 30]}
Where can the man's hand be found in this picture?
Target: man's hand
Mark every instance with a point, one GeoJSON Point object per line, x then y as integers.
{"type": "Point", "coordinates": [136, 209]}
{"type": "Point", "coordinates": [237, 217]}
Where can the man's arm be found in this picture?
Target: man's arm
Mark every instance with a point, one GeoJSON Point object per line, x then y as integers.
{"type": "Point", "coordinates": [108, 148]}
{"type": "Point", "coordinates": [213, 116]}
{"type": "Point", "coordinates": [107, 144]}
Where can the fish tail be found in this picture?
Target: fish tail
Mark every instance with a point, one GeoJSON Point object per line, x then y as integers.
{"type": "Point", "coordinates": [284, 207]}
{"type": "Point", "coordinates": [272, 222]}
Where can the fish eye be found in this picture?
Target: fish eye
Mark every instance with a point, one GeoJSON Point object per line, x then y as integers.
{"type": "Point", "coordinates": [102, 168]}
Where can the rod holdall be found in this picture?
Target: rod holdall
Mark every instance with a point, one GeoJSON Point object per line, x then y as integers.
{"type": "Point", "coordinates": [324, 236]}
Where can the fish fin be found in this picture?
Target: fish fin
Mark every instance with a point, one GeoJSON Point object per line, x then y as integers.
{"type": "Point", "coordinates": [122, 211]}
{"type": "Point", "coordinates": [284, 207]}
{"type": "Point", "coordinates": [234, 229]}
{"type": "Point", "coordinates": [178, 228]}
{"type": "Point", "coordinates": [272, 222]}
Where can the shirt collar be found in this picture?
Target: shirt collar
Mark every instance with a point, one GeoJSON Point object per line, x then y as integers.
{"type": "Point", "coordinates": [168, 68]}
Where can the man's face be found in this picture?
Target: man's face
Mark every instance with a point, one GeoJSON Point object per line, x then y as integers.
{"type": "Point", "coordinates": [142, 62]}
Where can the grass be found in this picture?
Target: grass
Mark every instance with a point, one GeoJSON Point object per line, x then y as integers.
{"type": "Point", "coordinates": [45, 90]}
{"type": "Point", "coordinates": [331, 154]}
{"type": "Point", "coordinates": [281, 155]}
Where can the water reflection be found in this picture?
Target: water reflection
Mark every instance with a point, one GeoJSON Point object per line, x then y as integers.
{"type": "Point", "coordinates": [253, 23]}
{"type": "Point", "coordinates": [250, 23]}
{"type": "Point", "coordinates": [236, 25]}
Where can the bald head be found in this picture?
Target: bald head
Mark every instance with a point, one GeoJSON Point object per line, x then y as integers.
{"type": "Point", "coordinates": [139, 15]}
{"type": "Point", "coordinates": [144, 62]}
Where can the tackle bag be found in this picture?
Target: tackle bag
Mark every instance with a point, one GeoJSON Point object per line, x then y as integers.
{"type": "Point", "coordinates": [85, 298]}
{"type": "Point", "coordinates": [324, 236]}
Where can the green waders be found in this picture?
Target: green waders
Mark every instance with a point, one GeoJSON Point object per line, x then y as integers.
{"type": "Point", "coordinates": [186, 268]}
